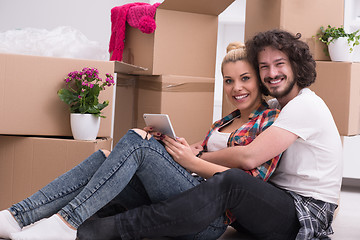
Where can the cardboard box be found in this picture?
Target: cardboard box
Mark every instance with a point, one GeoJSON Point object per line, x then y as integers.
{"type": "Point", "coordinates": [125, 106]}
{"type": "Point", "coordinates": [338, 85]}
{"type": "Point", "coordinates": [297, 16]}
{"type": "Point", "coordinates": [125, 102]}
{"type": "Point", "coordinates": [184, 42]}
{"type": "Point", "coordinates": [187, 100]}
{"type": "Point", "coordinates": [29, 104]}
{"type": "Point", "coordinates": [318, 49]}
{"type": "Point", "coordinates": [29, 163]}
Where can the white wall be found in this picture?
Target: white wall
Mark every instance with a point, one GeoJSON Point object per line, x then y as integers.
{"type": "Point", "coordinates": [352, 15]}
{"type": "Point", "coordinates": [231, 28]}
{"type": "Point", "coordinates": [91, 17]}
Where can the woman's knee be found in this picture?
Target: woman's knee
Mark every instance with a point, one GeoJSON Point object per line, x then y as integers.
{"type": "Point", "coordinates": [106, 152]}
{"type": "Point", "coordinates": [142, 133]}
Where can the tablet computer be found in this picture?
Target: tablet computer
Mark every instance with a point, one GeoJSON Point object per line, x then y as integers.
{"type": "Point", "coordinates": [160, 123]}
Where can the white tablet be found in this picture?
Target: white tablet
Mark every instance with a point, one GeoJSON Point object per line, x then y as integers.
{"type": "Point", "coordinates": [160, 123]}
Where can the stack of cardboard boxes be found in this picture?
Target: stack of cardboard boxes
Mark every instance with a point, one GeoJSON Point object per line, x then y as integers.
{"type": "Point", "coordinates": [176, 77]}
{"type": "Point", "coordinates": [36, 143]}
{"type": "Point", "coordinates": [179, 58]}
{"type": "Point", "coordinates": [337, 83]}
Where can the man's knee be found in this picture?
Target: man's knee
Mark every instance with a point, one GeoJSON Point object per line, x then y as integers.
{"type": "Point", "coordinates": [231, 177]}
{"type": "Point", "coordinates": [142, 133]}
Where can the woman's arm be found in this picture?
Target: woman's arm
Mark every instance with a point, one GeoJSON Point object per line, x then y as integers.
{"type": "Point", "coordinates": [270, 143]}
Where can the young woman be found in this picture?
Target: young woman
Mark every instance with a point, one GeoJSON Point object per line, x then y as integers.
{"type": "Point", "coordinates": [140, 170]}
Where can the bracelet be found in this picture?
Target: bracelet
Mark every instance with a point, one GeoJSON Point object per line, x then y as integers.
{"type": "Point", "coordinates": [200, 153]}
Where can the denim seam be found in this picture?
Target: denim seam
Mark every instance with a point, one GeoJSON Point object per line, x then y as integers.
{"type": "Point", "coordinates": [17, 213]}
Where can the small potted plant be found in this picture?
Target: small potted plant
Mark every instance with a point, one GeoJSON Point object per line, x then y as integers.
{"type": "Point", "coordinates": [340, 44]}
{"type": "Point", "coordinates": [81, 93]}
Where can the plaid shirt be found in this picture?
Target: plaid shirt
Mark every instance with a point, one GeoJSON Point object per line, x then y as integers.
{"type": "Point", "coordinates": [315, 217]}
{"type": "Point", "coordinates": [259, 120]}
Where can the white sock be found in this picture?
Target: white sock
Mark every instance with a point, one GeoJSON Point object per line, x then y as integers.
{"type": "Point", "coordinates": [8, 224]}
{"type": "Point", "coordinates": [52, 228]}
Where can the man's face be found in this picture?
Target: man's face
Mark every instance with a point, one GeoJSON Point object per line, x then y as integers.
{"type": "Point", "coordinates": [275, 72]}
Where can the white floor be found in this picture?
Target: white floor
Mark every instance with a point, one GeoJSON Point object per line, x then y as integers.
{"type": "Point", "coordinates": [347, 221]}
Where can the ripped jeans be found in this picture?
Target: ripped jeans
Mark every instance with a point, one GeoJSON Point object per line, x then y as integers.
{"type": "Point", "coordinates": [137, 172]}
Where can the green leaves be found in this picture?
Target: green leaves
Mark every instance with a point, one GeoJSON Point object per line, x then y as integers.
{"type": "Point", "coordinates": [83, 89]}
{"type": "Point", "coordinates": [67, 96]}
{"type": "Point", "coordinates": [330, 34]}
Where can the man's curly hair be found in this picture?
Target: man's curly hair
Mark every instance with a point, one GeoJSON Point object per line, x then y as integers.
{"type": "Point", "coordinates": [302, 62]}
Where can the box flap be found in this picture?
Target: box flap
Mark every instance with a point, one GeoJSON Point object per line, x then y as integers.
{"type": "Point", "coordinates": [122, 67]}
{"type": "Point", "coordinates": [210, 7]}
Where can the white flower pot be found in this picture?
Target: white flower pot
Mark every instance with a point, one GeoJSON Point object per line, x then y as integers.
{"type": "Point", "coordinates": [84, 126]}
{"type": "Point", "coordinates": [339, 50]}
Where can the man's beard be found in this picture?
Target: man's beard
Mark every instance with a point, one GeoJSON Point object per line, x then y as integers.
{"type": "Point", "coordinates": [279, 94]}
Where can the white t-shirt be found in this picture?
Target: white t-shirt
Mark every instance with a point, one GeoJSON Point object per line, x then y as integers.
{"type": "Point", "coordinates": [217, 141]}
{"type": "Point", "coordinates": [312, 165]}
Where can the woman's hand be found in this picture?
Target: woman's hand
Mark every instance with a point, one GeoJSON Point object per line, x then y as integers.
{"type": "Point", "coordinates": [182, 153]}
{"type": "Point", "coordinates": [180, 150]}
{"type": "Point", "coordinates": [155, 134]}
{"type": "Point", "coordinates": [196, 148]}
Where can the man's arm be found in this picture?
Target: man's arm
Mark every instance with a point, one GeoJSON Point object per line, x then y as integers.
{"type": "Point", "coordinates": [267, 145]}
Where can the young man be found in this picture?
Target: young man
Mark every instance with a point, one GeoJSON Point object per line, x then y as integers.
{"type": "Point", "coordinates": [301, 197]}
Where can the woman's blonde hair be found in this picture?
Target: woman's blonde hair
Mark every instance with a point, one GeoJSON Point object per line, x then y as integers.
{"type": "Point", "coordinates": [235, 51]}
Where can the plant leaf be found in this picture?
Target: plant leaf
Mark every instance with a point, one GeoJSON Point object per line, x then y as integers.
{"type": "Point", "coordinates": [67, 96]}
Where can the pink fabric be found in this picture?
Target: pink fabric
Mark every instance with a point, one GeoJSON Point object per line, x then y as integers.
{"type": "Point", "coordinates": [138, 15]}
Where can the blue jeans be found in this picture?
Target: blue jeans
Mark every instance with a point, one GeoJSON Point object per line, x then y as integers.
{"type": "Point", "coordinates": [137, 166]}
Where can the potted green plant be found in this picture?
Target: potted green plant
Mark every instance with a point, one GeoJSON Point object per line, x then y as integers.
{"type": "Point", "coordinates": [81, 93]}
{"type": "Point", "coordinates": [340, 44]}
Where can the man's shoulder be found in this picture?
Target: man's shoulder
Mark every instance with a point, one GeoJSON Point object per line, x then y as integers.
{"type": "Point", "coordinates": [273, 103]}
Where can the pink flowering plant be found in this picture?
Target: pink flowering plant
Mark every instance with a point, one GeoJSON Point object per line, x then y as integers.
{"type": "Point", "coordinates": [82, 91]}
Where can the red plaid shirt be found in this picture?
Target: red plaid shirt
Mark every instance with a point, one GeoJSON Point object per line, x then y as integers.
{"type": "Point", "coordinates": [259, 120]}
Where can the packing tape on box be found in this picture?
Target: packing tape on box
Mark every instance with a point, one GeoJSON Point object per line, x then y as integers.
{"type": "Point", "coordinates": [176, 87]}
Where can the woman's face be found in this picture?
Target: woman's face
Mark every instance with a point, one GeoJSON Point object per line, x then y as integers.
{"type": "Point", "coordinates": [241, 85]}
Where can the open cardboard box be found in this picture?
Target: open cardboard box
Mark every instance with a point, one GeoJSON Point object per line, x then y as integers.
{"type": "Point", "coordinates": [297, 16]}
{"type": "Point", "coordinates": [29, 163]}
{"type": "Point", "coordinates": [184, 42]}
{"type": "Point", "coordinates": [338, 84]}
{"type": "Point", "coordinates": [29, 104]}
